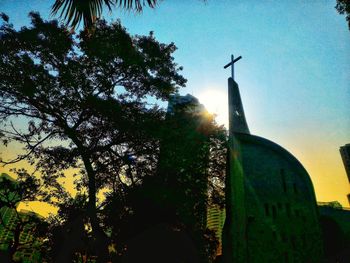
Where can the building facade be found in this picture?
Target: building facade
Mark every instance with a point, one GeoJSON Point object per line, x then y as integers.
{"type": "Point", "coordinates": [28, 250]}
{"type": "Point", "coordinates": [345, 155]}
{"type": "Point", "coordinates": [335, 225]}
{"type": "Point", "coordinates": [215, 221]}
{"type": "Point", "coordinates": [281, 222]}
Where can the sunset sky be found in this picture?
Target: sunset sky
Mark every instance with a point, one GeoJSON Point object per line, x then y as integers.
{"type": "Point", "coordinates": [294, 77]}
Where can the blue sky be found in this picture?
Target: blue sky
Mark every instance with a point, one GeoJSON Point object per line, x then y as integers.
{"type": "Point", "coordinates": [294, 76]}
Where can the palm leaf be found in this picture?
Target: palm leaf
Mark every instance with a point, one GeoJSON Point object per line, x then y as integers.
{"type": "Point", "coordinates": [73, 11]}
{"type": "Point", "coordinates": [136, 4]}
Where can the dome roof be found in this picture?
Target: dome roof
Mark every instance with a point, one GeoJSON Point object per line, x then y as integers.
{"type": "Point", "coordinates": [248, 139]}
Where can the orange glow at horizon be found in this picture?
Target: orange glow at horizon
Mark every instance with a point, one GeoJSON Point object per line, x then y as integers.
{"type": "Point", "coordinates": [320, 157]}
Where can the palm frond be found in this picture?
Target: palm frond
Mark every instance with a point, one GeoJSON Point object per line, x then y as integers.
{"type": "Point", "coordinates": [73, 11]}
{"type": "Point", "coordinates": [136, 4]}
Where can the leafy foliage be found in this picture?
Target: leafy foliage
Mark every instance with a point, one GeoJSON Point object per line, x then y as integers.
{"type": "Point", "coordinates": [343, 7]}
{"type": "Point", "coordinates": [85, 99]}
{"type": "Point", "coordinates": [335, 204]}
{"type": "Point", "coordinates": [191, 167]}
{"type": "Point", "coordinates": [189, 178]}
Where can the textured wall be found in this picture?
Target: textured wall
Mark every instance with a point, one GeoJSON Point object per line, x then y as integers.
{"type": "Point", "coordinates": [282, 216]}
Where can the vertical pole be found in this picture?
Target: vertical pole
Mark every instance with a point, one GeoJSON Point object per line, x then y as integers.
{"type": "Point", "coordinates": [232, 68]}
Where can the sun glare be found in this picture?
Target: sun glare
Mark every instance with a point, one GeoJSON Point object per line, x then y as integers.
{"type": "Point", "coordinates": [215, 101]}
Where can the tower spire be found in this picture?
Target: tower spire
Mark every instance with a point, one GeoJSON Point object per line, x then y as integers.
{"type": "Point", "coordinates": [234, 237]}
{"type": "Point", "coordinates": [237, 121]}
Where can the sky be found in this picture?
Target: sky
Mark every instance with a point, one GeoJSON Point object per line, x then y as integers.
{"type": "Point", "coordinates": [294, 76]}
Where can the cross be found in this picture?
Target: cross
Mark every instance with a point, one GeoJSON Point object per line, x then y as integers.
{"type": "Point", "coordinates": [233, 60]}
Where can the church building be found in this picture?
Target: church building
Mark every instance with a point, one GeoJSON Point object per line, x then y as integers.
{"type": "Point", "coordinates": [277, 204]}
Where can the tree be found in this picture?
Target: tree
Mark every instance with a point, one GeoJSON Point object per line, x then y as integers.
{"type": "Point", "coordinates": [343, 7]}
{"type": "Point", "coordinates": [73, 11]}
{"type": "Point", "coordinates": [85, 99]}
{"type": "Point", "coordinates": [171, 205]}
{"type": "Point", "coordinates": [335, 204]}
{"type": "Point", "coordinates": [191, 164]}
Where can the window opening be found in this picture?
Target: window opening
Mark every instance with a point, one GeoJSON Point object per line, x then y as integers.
{"type": "Point", "coordinates": [267, 211]}
{"type": "Point", "coordinates": [274, 212]}
{"type": "Point", "coordinates": [284, 183]}
{"type": "Point", "coordinates": [288, 210]}
{"type": "Point", "coordinates": [295, 188]}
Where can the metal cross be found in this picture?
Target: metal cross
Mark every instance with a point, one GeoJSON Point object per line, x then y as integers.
{"type": "Point", "coordinates": [233, 60]}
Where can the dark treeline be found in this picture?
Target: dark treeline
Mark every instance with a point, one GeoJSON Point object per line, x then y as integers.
{"type": "Point", "coordinates": [144, 178]}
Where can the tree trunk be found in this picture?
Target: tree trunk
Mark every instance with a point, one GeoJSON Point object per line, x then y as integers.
{"type": "Point", "coordinates": [98, 234]}
{"type": "Point", "coordinates": [101, 240]}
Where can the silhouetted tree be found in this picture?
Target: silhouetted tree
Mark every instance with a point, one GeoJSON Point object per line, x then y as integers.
{"type": "Point", "coordinates": [191, 166]}
{"type": "Point", "coordinates": [343, 8]}
{"type": "Point", "coordinates": [174, 200]}
{"type": "Point", "coordinates": [85, 99]}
